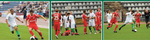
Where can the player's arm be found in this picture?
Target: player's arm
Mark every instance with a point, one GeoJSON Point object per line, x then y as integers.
{"type": "Point", "coordinates": [43, 18]}
{"type": "Point", "coordinates": [19, 19]}
{"type": "Point", "coordinates": [126, 14]}
{"type": "Point", "coordinates": [63, 19]}
{"type": "Point", "coordinates": [7, 23]}
{"type": "Point", "coordinates": [26, 22]}
{"type": "Point", "coordinates": [120, 17]}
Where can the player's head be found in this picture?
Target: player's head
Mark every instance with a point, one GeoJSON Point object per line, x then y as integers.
{"type": "Point", "coordinates": [11, 10]}
{"type": "Point", "coordinates": [99, 9]}
{"type": "Point", "coordinates": [70, 12]}
{"type": "Point", "coordinates": [65, 13]}
{"type": "Point", "coordinates": [132, 12]}
{"type": "Point", "coordinates": [84, 11]}
{"type": "Point", "coordinates": [137, 11]}
{"type": "Point", "coordinates": [146, 10]}
{"type": "Point", "coordinates": [90, 10]}
{"type": "Point", "coordinates": [108, 11]}
{"type": "Point", "coordinates": [25, 9]}
{"type": "Point", "coordinates": [31, 11]}
{"type": "Point", "coordinates": [56, 10]}
{"type": "Point", "coordinates": [117, 10]}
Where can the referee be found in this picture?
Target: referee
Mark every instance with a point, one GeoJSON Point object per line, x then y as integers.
{"type": "Point", "coordinates": [147, 14]}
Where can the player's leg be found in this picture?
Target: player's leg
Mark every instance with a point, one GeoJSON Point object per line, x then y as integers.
{"type": "Point", "coordinates": [17, 32]}
{"type": "Point", "coordinates": [90, 25]}
{"type": "Point", "coordinates": [116, 27]}
{"type": "Point", "coordinates": [85, 25]}
{"type": "Point", "coordinates": [76, 29]}
{"type": "Point", "coordinates": [123, 25]}
{"type": "Point", "coordinates": [37, 30]}
{"type": "Point", "coordinates": [67, 26]}
{"type": "Point", "coordinates": [139, 22]}
{"type": "Point", "coordinates": [93, 25]}
{"type": "Point", "coordinates": [30, 30]}
{"type": "Point", "coordinates": [11, 29]}
{"type": "Point", "coordinates": [72, 29]}
{"type": "Point", "coordinates": [110, 25]}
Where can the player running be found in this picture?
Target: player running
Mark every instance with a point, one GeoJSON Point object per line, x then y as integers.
{"type": "Point", "coordinates": [92, 21]}
{"type": "Point", "coordinates": [114, 20]}
{"type": "Point", "coordinates": [129, 19]}
{"type": "Point", "coordinates": [72, 22]}
{"type": "Point", "coordinates": [56, 18]}
{"type": "Point", "coordinates": [32, 18]}
{"type": "Point", "coordinates": [10, 20]}
{"type": "Point", "coordinates": [137, 17]}
{"type": "Point", "coordinates": [65, 20]}
{"type": "Point", "coordinates": [147, 14]}
{"type": "Point", "coordinates": [84, 18]}
{"type": "Point", "coordinates": [108, 17]}
{"type": "Point", "coordinates": [98, 19]}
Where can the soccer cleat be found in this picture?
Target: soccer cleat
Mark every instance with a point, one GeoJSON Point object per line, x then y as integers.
{"type": "Point", "coordinates": [85, 33]}
{"type": "Point", "coordinates": [90, 32]}
{"type": "Point", "coordinates": [12, 32]}
{"type": "Point", "coordinates": [147, 27]}
{"type": "Point", "coordinates": [36, 38]}
{"type": "Point", "coordinates": [19, 38]}
{"type": "Point", "coordinates": [133, 30]}
{"type": "Point", "coordinates": [119, 28]}
{"type": "Point", "coordinates": [107, 27]}
{"type": "Point", "coordinates": [100, 32]}
{"type": "Point", "coordinates": [115, 31]}
{"type": "Point", "coordinates": [42, 38]}
{"type": "Point", "coordinates": [94, 33]}
{"type": "Point", "coordinates": [56, 36]}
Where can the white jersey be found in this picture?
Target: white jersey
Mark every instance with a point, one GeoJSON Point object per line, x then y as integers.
{"type": "Point", "coordinates": [109, 16]}
{"type": "Point", "coordinates": [91, 15]}
{"type": "Point", "coordinates": [11, 19]}
{"type": "Point", "coordinates": [129, 16]}
{"type": "Point", "coordinates": [65, 18]}
{"type": "Point", "coordinates": [61, 21]}
{"type": "Point", "coordinates": [71, 17]}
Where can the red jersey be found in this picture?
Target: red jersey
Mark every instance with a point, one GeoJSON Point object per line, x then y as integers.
{"type": "Point", "coordinates": [115, 16]}
{"type": "Point", "coordinates": [137, 15]}
{"type": "Point", "coordinates": [84, 18]}
{"type": "Point", "coordinates": [32, 19]}
{"type": "Point", "coordinates": [56, 17]}
{"type": "Point", "coordinates": [98, 16]}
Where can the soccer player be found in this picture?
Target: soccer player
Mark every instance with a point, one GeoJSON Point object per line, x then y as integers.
{"type": "Point", "coordinates": [98, 19]}
{"type": "Point", "coordinates": [137, 17]}
{"type": "Point", "coordinates": [56, 18]}
{"type": "Point", "coordinates": [65, 20]}
{"type": "Point", "coordinates": [66, 33]}
{"type": "Point", "coordinates": [114, 20]}
{"type": "Point", "coordinates": [147, 14]}
{"type": "Point", "coordinates": [32, 18]}
{"type": "Point", "coordinates": [10, 20]}
{"type": "Point", "coordinates": [61, 22]}
{"type": "Point", "coordinates": [108, 17]}
{"type": "Point", "coordinates": [72, 21]}
{"type": "Point", "coordinates": [129, 19]}
{"type": "Point", "coordinates": [84, 18]}
{"type": "Point", "coordinates": [92, 21]}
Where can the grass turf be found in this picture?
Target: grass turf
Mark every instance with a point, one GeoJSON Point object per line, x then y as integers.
{"type": "Point", "coordinates": [126, 33]}
{"type": "Point", "coordinates": [78, 37]}
{"type": "Point", "coordinates": [5, 33]}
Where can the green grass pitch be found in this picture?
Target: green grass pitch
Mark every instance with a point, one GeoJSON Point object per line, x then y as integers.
{"type": "Point", "coordinates": [78, 37]}
{"type": "Point", "coordinates": [5, 33]}
{"type": "Point", "coordinates": [126, 33]}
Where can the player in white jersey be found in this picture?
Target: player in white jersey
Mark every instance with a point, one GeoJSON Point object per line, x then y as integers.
{"type": "Point", "coordinates": [108, 17]}
{"type": "Point", "coordinates": [72, 22]}
{"type": "Point", "coordinates": [65, 20]}
{"type": "Point", "coordinates": [91, 21]}
{"type": "Point", "coordinates": [129, 19]}
{"type": "Point", "coordinates": [61, 22]}
{"type": "Point", "coordinates": [10, 20]}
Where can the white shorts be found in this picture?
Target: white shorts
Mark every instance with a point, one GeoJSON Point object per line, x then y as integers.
{"type": "Point", "coordinates": [128, 21]}
{"type": "Point", "coordinates": [72, 25]}
{"type": "Point", "coordinates": [133, 18]}
{"type": "Point", "coordinates": [108, 20]}
{"type": "Point", "coordinates": [66, 25]}
{"type": "Point", "coordinates": [12, 27]}
{"type": "Point", "coordinates": [91, 23]}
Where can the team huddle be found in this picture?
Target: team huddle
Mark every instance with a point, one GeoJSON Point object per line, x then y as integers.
{"type": "Point", "coordinates": [131, 18]}
{"type": "Point", "coordinates": [69, 21]}
{"type": "Point", "coordinates": [31, 19]}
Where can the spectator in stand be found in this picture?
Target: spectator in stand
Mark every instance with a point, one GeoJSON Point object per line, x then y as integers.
{"type": "Point", "coordinates": [24, 13]}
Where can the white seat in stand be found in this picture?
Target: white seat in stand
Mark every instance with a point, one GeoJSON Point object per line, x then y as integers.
{"type": "Point", "coordinates": [137, 8]}
{"type": "Point", "coordinates": [129, 8]}
{"type": "Point", "coordinates": [128, 4]}
{"type": "Point", "coordinates": [140, 8]}
{"type": "Point", "coordinates": [135, 4]}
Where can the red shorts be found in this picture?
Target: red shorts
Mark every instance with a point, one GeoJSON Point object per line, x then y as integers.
{"type": "Point", "coordinates": [113, 21]}
{"type": "Point", "coordinates": [138, 21]}
{"type": "Point", "coordinates": [85, 24]}
{"type": "Point", "coordinates": [57, 26]}
{"type": "Point", "coordinates": [33, 26]}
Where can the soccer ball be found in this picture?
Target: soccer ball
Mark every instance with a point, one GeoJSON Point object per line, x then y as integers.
{"type": "Point", "coordinates": [32, 38]}
{"type": "Point", "coordinates": [135, 30]}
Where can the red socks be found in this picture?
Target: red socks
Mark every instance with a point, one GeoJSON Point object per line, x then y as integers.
{"type": "Point", "coordinates": [58, 32]}
{"type": "Point", "coordinates": [116, 27]}
{"type": "Point", "coordinates": [55, 32]}
{"type": "Point", "coordinates": [32, 34]}
{"type": "Point", "coordinates": [84, 29]}
{"type": "Point", "coordinates": [139, 25]}
{"type": "Point", "coordinates": [100, 27]}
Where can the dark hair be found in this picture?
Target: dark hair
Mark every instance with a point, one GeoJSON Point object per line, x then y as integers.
{"type": "Point", "coordinates": [59, 11]}
{"type": "Point", "coordinates": [68, 13]}
{"type": "Point", "coordinates": [133, 11]}
{"type": "Point", "coordinates": [11, 9]}
{"type": "Point", "coordinates": [84, 11]}
{"type": "Point", "coordinates": [31, 11]}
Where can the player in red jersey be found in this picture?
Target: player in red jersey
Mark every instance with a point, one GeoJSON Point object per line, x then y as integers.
{"type": "Point", "coordinates": [32, 18]}
{"type": "Point", "coordinates": [98, 19]}
{"type": "Point", "coordinates": [66, 33]}
{"type": "Point", "coordinates": [114, 20]}
{"type": "Point", "coordinates": [137, 17]}
{"type": "Point", "coordinates": [56, 18]}
{"type": "Point", "coordinates": [84, 18]}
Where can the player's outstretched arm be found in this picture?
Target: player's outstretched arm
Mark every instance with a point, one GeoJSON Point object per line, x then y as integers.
{"type": "Point", "coordinates": [7, 23]}
{"type": "Point", "coordinates": [26, 23]}
{"type": "Point", "coordinates": [43, 18]}
{"type": "Point", "coordinates": [120, 17]}
{"type": "Point", "coordinates": [19, 19]}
